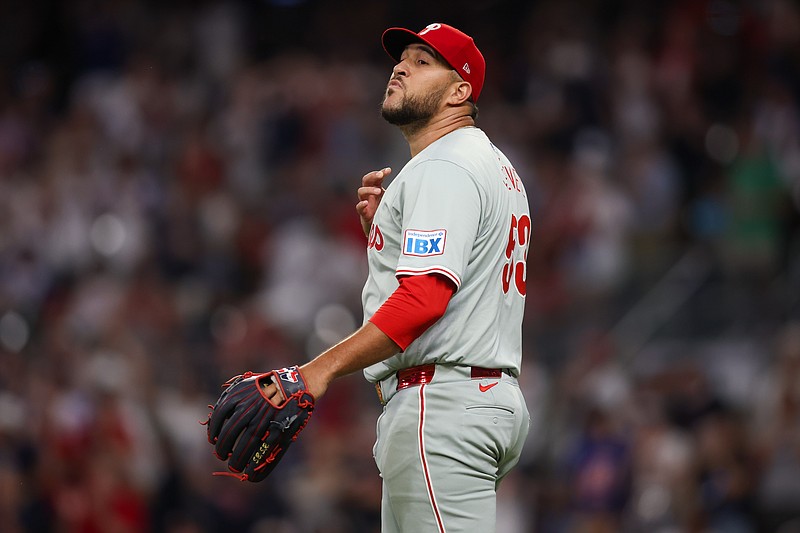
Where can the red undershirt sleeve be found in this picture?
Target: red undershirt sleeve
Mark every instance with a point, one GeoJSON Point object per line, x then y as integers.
{"type": "Point", "coordinates": [413, 307]}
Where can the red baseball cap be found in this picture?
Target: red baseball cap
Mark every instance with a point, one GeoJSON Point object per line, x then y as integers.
{"type": "Point", "coordinates": [455, 46]}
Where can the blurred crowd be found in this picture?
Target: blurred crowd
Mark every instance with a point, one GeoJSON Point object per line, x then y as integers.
{"type": "Point", "coordinates": [177, 191]}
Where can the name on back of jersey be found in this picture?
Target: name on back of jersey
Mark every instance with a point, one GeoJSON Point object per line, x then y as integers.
{"type": "Point", "coordinates": [511, 179]}
{"type": "Point", "coordinates": [424, 243]}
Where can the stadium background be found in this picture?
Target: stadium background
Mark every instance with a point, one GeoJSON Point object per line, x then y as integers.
{"type": "Point", "coordinates": [177, 182]}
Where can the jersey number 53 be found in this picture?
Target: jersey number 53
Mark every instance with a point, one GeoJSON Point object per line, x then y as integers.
{"type": "Point", "coordinates": [515, 269]}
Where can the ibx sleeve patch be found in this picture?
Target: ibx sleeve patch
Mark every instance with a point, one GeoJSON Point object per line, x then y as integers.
{"type": "Point", "coordinates": [424, 243]}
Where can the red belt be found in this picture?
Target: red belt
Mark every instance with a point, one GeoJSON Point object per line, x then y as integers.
{"type": "Point", "coordinates": [419, 375]}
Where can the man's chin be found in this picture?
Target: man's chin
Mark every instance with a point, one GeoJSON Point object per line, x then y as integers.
{"type": "Point", "coordinates": [404, 112]}
{"type": "Point", "coordinates": [392, 114]}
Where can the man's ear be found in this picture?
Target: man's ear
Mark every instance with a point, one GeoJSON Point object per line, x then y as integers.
{"type": "Point", "coordinates": [461, 92]}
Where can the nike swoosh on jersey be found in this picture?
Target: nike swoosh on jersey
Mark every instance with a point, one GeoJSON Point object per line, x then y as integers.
{"type": "Point", "coordinates": [484, 388]}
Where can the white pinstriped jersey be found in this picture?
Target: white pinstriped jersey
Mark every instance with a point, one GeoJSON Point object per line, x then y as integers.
{"type": "Point", "coordinates": [458, 209]}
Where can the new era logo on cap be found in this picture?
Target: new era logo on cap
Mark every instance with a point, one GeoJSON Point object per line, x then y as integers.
{"type": "Point", "coordinates": [455, 46]}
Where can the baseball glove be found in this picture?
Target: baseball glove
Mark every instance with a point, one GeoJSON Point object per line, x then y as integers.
{"type": "Point", "coordinates": [249, 431]}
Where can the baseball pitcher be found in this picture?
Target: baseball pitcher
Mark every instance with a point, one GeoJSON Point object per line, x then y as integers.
{"type": "Point", "coordinates": [447, 241]}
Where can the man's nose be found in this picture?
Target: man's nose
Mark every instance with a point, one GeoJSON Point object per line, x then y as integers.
{"type": "Point", "coordinates": [400, 69]}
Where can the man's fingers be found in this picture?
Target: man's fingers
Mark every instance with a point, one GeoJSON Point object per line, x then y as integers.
{"type": "Point", "coordinates": [365, 192]}
{"type": "Point", "coordinates": [369, 196]}
{"type": "Point", "coordinates": [375, 177]}
{"type": "Point", "coordinates": [272, 393]}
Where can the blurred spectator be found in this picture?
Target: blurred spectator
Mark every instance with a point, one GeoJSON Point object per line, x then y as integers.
{"type": "Point", "coordinates": [725, 475]}
{"type": "Point", "coordinates": [663, 458]}
{"type": "Point", "coordinates": [776, 433]}
{"type": "Point", "coordinates": [598, 475]}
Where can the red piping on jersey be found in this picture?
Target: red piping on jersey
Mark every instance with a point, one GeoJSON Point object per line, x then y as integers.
{"type": "Point", "coordinates": [424, 460]}
{"type": "Point", "coordinates": [432, 270]}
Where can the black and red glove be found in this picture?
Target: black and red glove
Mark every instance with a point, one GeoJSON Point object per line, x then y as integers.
{"type": "Point", "coordinates": [249, 431]}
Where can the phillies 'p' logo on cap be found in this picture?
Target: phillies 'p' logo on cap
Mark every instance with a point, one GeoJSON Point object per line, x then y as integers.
{"type": "Point", "coordinates": [455, 46]}
{"type": "Point", "coordinates": [429, 27]}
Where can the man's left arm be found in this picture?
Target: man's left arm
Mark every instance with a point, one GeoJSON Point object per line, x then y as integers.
{"type": "Point", "coordinates": [416, 304]}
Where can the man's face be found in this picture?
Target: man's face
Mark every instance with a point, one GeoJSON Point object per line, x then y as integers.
{"type": "Point", "coordinates": [415, 90]}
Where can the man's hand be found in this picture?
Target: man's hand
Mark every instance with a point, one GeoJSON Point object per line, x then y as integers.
{"type": "Point", "coordinates": [317, 378]}
{"type": "Point", "coordinates": [369, 196]}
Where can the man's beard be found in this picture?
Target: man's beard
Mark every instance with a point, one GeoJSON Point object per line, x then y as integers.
{"type": "Point", "coordinates": [414, 111]}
